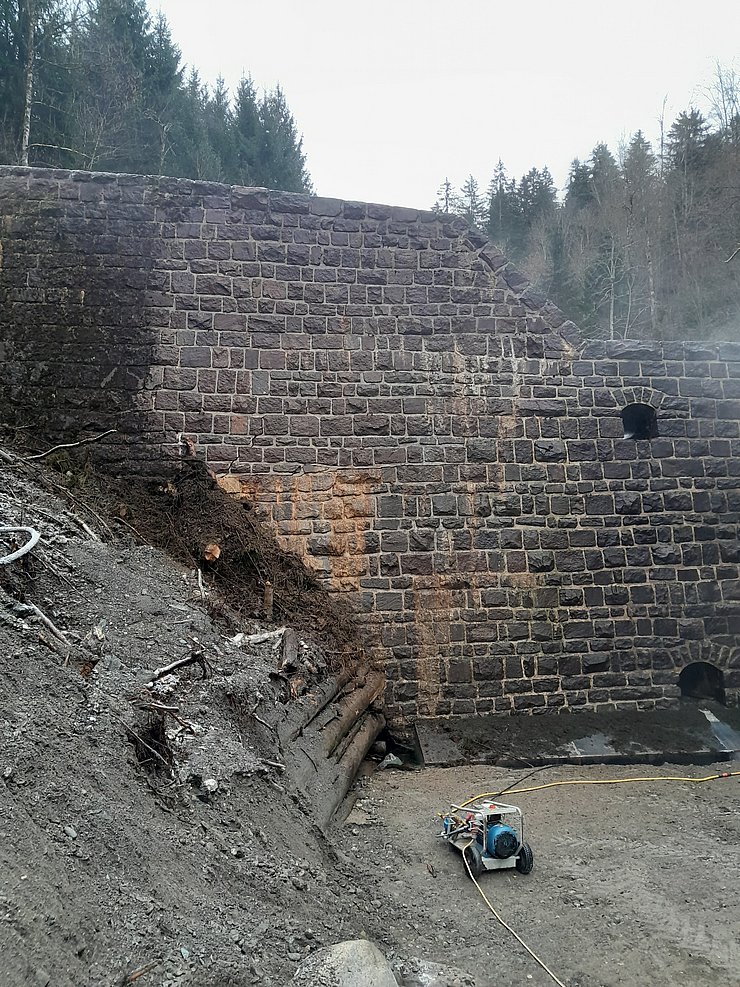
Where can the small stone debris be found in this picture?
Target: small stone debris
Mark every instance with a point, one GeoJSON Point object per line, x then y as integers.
{"type": "Point", "coordinates": [390, 761]}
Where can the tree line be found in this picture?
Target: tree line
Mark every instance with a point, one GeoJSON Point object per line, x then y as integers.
{"type": "Point", "coordinates": [644, 243]}
{"type": "Point", "coordinates": [101, 85]}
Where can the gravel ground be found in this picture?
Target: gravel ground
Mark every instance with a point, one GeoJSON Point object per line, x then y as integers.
{"type": "Point", "coordinates": [632, 884]}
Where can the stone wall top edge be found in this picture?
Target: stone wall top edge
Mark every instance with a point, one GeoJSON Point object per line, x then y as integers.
{"type": "Point", "coordinates": [699, 350]}
{"type": "Point", "coordinates": [317, 204]}
{"type": "Point", "coordinates": [302, 202]}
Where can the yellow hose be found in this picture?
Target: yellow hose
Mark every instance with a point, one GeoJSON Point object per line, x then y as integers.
{"type": "Point", "coordinates": [508, 928]}
{"type": "Point", "coordinates": [558, 784]}
{"type": "Point", "coordinates": [601, 781]}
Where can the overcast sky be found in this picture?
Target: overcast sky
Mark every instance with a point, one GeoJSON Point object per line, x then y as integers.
{"type": "Point", "coordinates": [394, 95]}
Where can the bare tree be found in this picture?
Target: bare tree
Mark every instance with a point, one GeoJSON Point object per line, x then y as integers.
{"type": "Point", "coordinates": [724, 100]}
{"type": "Point", "coordinates": [30, 16]}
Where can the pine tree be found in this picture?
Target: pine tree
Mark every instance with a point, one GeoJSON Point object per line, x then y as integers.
{"type": "Point", "coordinates": [537, 197]}
{"type": "Point", "coordinates": [640, 170]}
{"type": "Point", "coordinates": [219, 125]}
{"type": "Point", "coordinates": [605, 178]}
{"type": "Point", "coordinates": [108, 118]}
{"type": "Point", "coordinates": [247, 135]}
{"type": "Point", "coordinates": [502, 212]}
{"type": "Point", "coordinates": [471, 202]}
{"type": "Point", "coordinates": [687, 141]}
{"type": "Point", "coordinates": [161, 96]}
{"type": "Point", "coordinates": [580, 188]}
{"type": "Point", "coordinates": [282, 163]}
{"type": "Point", "coordinates": [195, 157]}
{"type": "Point", "coordinates": [445, 201]}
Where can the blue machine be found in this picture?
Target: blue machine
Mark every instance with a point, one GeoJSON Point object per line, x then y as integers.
{"type": "Point", "coordinates": [501, 841]}
{"type": "Point", "coordinates": [486, 841]}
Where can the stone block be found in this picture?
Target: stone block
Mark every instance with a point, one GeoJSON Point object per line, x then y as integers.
{"type": "Point", "coordinates": [421, 540]}
{"type": "Point", "coordinates": [444, 504]}
{"type": "Point", "coordinates": [541, 561]}
{"type": "Point", "coordinates": [542, 406]}
{"type": "Point", "coordinates": [324, 545]}
{"type": "Point", "coordinates": [528, 702]}
{"type": "Point", "coordinates": [482, 450]}
{"type": "Point", "coordinates": [549, 450]}
{"type": "Point", "coordinates": [627, 503]}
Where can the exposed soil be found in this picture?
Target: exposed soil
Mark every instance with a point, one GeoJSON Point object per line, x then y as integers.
{"type": "Point", "coordinates": [170, 847]}
{"type": "Point", "coordinates": [128, 836]}
{"type": "Point", "coordinates": [186, 513]}
{"type": "Point", "coordinates": [632, 884]}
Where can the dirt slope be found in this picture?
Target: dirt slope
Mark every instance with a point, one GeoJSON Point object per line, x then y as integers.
{"type": "Point", "coordinates": [136, 847]}
{"type": "Point", "coordinates": [121, 845]}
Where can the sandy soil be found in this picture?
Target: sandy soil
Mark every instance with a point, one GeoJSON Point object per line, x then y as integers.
{"type": "Point", "coordinates": [633, 884]}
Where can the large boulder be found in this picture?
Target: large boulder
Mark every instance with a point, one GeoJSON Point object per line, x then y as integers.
{"type": "Point", "coordinates": [354, 963]}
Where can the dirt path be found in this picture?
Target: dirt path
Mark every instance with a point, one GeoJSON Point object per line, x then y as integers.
{"type": "Point", "coordinates": [633, 884]}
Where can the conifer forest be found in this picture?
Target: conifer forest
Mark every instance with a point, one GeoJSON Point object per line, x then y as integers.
{"type": "Point", "coordinates": [101, 85]}
{"type": "Point", "coordinates": [644, 240]}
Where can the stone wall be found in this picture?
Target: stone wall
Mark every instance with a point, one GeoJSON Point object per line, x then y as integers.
{"type": "Point", "coordinates": [422, 427]}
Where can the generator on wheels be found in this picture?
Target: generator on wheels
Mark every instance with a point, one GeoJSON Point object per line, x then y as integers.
{"type": "Point", "coordinates": [490, 835]}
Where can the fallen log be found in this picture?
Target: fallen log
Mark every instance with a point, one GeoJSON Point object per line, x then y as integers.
{"type": "Point", "coordinates": [336, 729]}
{"type": "Point", "coordinates": [346, 768]}
{"type": "Point", "coordinates": [289, 659]}
{"type": "Point", "coordinates": [314, 704]}
{"type": "Point", "coordinates": [350, 710]}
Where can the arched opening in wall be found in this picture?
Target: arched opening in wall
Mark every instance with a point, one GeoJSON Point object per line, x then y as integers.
{"type": "Point", "coordinates": [639, 422]}
{"type": "Point", "coordinates": [701, 680]}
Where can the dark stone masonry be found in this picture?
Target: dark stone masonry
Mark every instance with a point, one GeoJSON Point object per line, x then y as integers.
{"type": "Point", "coordinates": [419, 424]}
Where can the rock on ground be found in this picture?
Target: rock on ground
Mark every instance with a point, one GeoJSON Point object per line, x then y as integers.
{"type": "Point", "coordinates": [354, 963]}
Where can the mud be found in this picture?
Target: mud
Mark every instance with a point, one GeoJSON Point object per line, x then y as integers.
{"type": "Point", "coordinates": [133, 839]}
{"type": "Point", "coordinates": [170, 848]}
{"type": "Point", "coordinates": [632, 884]}
{"type": "Point", "coordinates": [626, 731]}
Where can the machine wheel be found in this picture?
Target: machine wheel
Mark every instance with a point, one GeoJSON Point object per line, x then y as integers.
{"type": "Point", "coordinates": [525, 860]}
{"type": "Point", "coordinates": [474, 857]}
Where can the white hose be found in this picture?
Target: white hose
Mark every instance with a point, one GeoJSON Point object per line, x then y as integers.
{"type": "Point", "coordinates": [33, 539]}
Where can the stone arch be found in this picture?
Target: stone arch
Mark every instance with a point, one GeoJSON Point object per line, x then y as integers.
{"type": "Point", "coordinates": [702, 680]}
{"type": "Point", "coordinates": [664, 405]}
{"type": "Point", "coordinates": [616, 398]}
{"type": "Point", "coordinates": [725, 654]}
